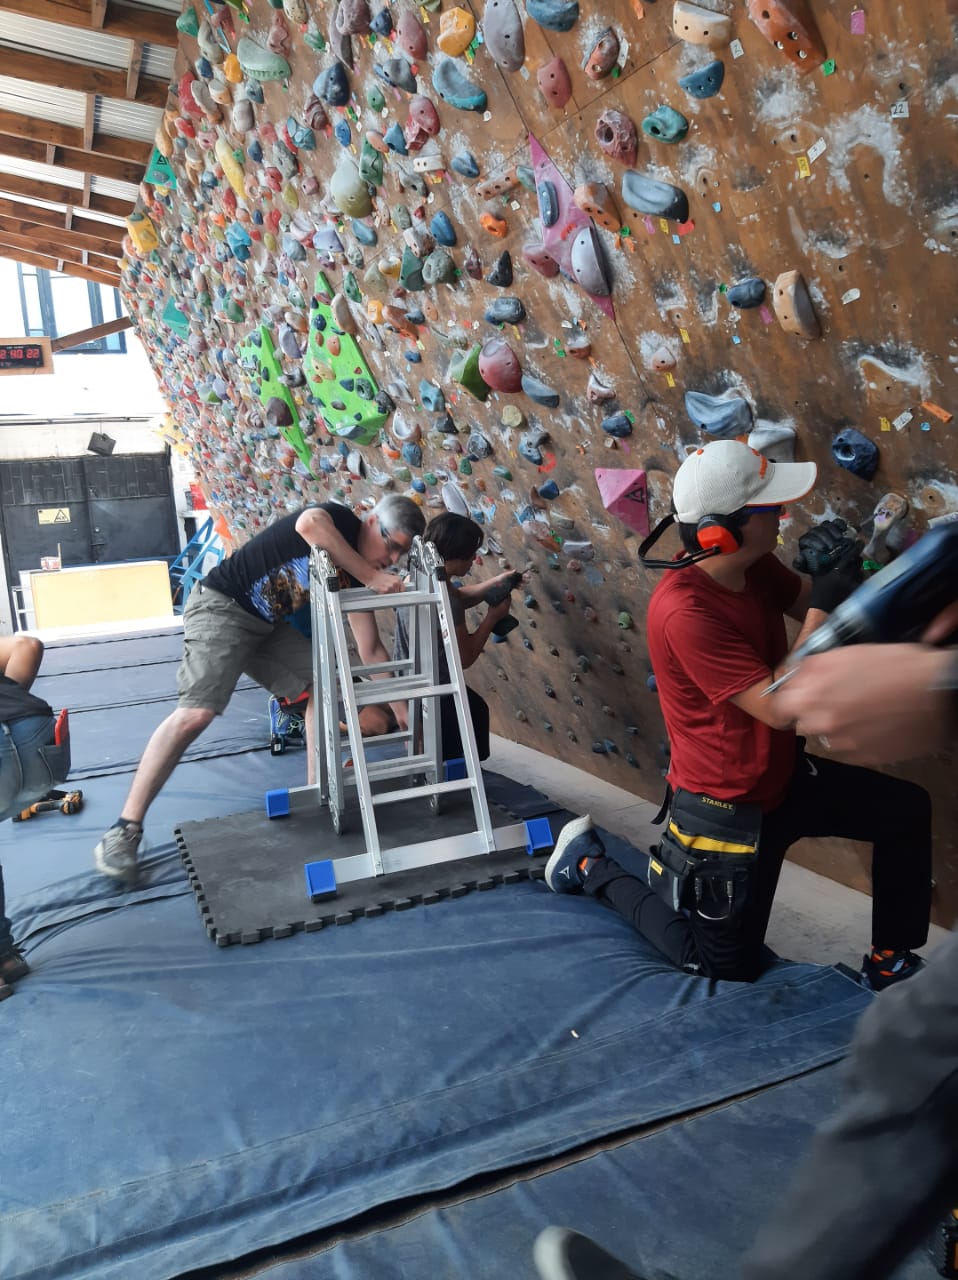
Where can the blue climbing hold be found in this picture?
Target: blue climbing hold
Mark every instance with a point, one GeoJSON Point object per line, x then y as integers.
{"type": "Point", "coordinates": [343, 132]}
{"type": "Point", "coordinates": [465, 163]}
{"type": "Point", "coordinates": [332, 85]}
{"type": "Point", "coordinates": [412, 454]}
{"type": "Point", "coordinates": [432, 396]}
{"type": "Point", "coordinates": [856, 453]}
{"type": "Point", "coordinates": [456, 89]}
{"type": "Point", "coordinates": [554, 15]}
{"type": "Point", "coordinates": [618, 425]}
{"type": "Point", "coordinates": [706, 82]}
{"type": "Point", "coordinates": [665, 124]}
{"type": "Point", "coordinates": [442, 229]}
{"type": "Point", "coordinates": [395, 139]}
{"type": "Point", "coordinates": [724, 417]}
{"type": "Point", "coordinates": [255, 152]}
{"type": "Point", "coordinates": [382, 23]}
{"type": "Point", "coordinates": [363, 232]}
{"type": "Point", "coordinates": [549, 490]}
{"type": "Point", "coordinates": [418, 485]}
{"type": "Point", "coordinates": [648, 195]}
{"type": "Point", "coordinates": [413, 357]}
{"type": "Point", "coordinates": [747, 293]}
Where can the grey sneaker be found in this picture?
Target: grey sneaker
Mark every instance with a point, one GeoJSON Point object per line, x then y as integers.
{"type": "Point", "coordinates": [115, 855]}
{"type": "Point", "coordinates": [560, 1254]}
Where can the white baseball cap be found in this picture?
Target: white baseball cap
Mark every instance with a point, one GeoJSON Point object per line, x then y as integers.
{"type": "Point", "coordinates": [726, 475]}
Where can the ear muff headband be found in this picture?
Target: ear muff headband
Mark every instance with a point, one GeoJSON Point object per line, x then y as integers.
{"type": "Point", "coordinates": [716, 535]}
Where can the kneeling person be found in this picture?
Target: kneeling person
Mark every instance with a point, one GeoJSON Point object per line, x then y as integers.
{"type": "Point", "coordinates": [744, 790]}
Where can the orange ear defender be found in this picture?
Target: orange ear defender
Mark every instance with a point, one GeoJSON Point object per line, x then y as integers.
{"type": "Point", "coordinates": [722, 535]}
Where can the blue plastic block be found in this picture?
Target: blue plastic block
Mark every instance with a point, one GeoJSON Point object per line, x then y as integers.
{"type": "Point", "coordinates": [453, 770]}
{"type": "Point", "coordinates": [538, 835]}
{"type": "Point", "coordinates": [320, 880]}
{"type": "Point", "coordinates": [277, 803]}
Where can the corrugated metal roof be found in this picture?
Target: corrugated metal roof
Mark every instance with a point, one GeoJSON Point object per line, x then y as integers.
{"type": "Point", "coordinates": [65, 106]}
{"type": "Point", "coordinates": [127, 119]}
{"type": "Point", "coordinates": [36, 36]}
{"type": "Point", "coordinates": [67, 178]}
{"type": "Point", "coordinates": [78, 45]}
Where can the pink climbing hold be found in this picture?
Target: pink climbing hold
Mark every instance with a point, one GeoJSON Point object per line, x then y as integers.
{"type": "Point", "coordinates": [624, 493]}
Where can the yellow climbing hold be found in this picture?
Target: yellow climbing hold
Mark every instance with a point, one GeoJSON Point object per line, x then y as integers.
{"type": "Point", "coordinates": [230, 166]}
{"type": "Point", "coordinates": [456, 30]}
{"type": "Point", "coordinates": [231, 69]}
{"type": "Point", "coordinates": [142, 233]}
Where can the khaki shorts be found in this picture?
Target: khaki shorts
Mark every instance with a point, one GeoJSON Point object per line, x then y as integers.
{"type": "Point", "coordinates": [222, 641]}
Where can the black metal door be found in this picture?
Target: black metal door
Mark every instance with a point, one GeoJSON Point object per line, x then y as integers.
{"type": "Point", "coordinates": [91, 510]}
{"type": "Point", "coordinates": [131, 510]}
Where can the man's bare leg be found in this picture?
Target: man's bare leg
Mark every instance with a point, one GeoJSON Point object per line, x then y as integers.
{"type": "Point", "coordinates": [20, 658]}
{"type": "Point", "coordinates": [163, 753]}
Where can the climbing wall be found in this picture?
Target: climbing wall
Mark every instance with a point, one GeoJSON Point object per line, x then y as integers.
{"type": "Point", "coordinates": [514, 260]}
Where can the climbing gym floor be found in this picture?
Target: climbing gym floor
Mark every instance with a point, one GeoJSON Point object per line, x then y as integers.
{"type": "Point", "coordinates": [410, 1096]}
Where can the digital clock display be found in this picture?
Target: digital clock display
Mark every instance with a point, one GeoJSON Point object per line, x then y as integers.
{"type": "Point", "coordinates": [21, 355]}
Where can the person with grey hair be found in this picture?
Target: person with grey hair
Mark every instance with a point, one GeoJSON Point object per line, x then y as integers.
{"type": "Point", "coordinates": [235, 623]}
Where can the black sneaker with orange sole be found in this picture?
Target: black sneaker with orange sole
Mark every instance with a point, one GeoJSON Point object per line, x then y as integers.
{"type": "Point", "coordinates": [881, 969]}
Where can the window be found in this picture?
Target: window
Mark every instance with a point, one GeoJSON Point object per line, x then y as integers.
{"type": "Point", "coordinates": [55, 305]}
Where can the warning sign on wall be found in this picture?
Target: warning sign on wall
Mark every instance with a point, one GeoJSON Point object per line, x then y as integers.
{"type": "Point", "coordinates": [54, 515]}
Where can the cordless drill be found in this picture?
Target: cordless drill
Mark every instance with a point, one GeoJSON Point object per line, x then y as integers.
{"type": "Point", "coordinates": [896, 604]}
{"type": "Point", "coordinates": [496, 594]}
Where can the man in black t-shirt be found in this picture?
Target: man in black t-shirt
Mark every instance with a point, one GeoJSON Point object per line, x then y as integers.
{"type": "Point", "coordinates": [26, 729]}
{"type": "Point", "coordinates": [235, 623]}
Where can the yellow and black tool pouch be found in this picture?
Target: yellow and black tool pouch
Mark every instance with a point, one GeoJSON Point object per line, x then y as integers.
{"type": "Point", "coordinates": [707, 855]}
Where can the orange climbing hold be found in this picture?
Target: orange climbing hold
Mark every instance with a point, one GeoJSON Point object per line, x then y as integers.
{"type": "Point", "coordinates": [494, 225]}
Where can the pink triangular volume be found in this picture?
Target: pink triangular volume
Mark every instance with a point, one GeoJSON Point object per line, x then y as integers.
{"type": "Point", "coordinates": [559, 237]}
{"type": "Point", "coordinates": [625, 495]}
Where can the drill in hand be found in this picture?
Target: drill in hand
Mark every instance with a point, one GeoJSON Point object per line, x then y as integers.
{"type": "Point", "coordinates": [896, 604]}
{"type": "Point", "coordinates": [499, 592]}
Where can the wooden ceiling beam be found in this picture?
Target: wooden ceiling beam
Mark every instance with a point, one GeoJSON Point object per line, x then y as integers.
{"type": "Point", "coordinates": [89, 124]}
{"type": "Point", "coordinates": [120, 20]}
{"type": "Point", "coordinates": [60, 246]}
{"type": "Point", "coordinates": [68, 268]}
{"type": "Point", "coordinates": [63, 221]}
{"type": "Point", "coordinates": [133, 68]}
{"type": "Point", "coordinates": [98, 10]}
{"type": "Point", "coordinates": [82, 77]}
{"type": "Point", "coordinates": [90, 335]}
{"type": "Point", "coordinates": [105, 246]}
{"type": "Point", "coordinates": [64, 135]}
{"type": "Point", "coordinates": [14, 185]}
{"type": "Point", "coordinates": [66, 158]}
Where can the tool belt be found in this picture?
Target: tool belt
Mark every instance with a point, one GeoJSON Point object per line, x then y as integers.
{"type": "Point", "coordinates": [706, 855]}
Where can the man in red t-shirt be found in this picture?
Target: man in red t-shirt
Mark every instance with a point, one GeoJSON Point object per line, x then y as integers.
{"type": "Point", "coordinates": [716, 632]}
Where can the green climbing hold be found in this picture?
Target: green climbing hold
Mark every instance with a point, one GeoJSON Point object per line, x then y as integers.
{"type": "Point", "coordinates": [464, 369]}
{"type": "Point", "coordinates": [410, 271]}
{"type": "Point", "coordinates": [188, 22]}
{"type": "Point", "coordinates": [527, 176]}
{"type": "Point", "coordinates": [370, 164]}
{"type": "Point", "coordinates": [625, 621]}
{"type": "Point", "coordinates": [503, 473]}
{"type": "Point", "coordinates": [351, 288]}
{"type": "Point", "coordinates": [374, 98]}
{"type": "Point", "coordinates": [465, 467]}
{"type": "Point", "coordinates": [314, 38]}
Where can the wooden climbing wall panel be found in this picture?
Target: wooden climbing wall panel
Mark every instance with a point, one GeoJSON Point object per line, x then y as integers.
{"type": "Point", "coordinates": [844, 174]}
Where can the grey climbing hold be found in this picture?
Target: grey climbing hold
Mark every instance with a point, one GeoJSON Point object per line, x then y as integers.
{"type": "Point", "coordinates": [548, 203]}
{"type": "Point", "coordinates": [747, 293]}
{"type": "Point", "coordinates": [554, 15]}
{"type": "Point", "coordinates": [432, 397]}
{"type": "Point", "coordinates": [706, 82]}
{"type": "Point", "coordinates": [856, 453]}
{"type": "Point", "coordinates": [502, 33]}
{"type": "Point", "coordinates": [539, 392]}
{"type": "Point", "coordinates": [456, 89]}
{"type": "Point", "coordinates": [648, 195]}
{"type": "Point", "coordinates": [398, 73]}
{"type": "Point", "coordinates": [465, 163]}
{"type": "Point", "coordinates": [505, 311]}
{"type": "Point", "coordinates": [618, 425]}
{"type": "Point", "coordinates": [665, 124]}
{"type": "Point", "coordinates": [529, 449]}
{"type": "Point", "coordinates": [588, 266]}
{"type": "Point", "coordinates": [721, 416]}
{"type": "Point", "coordinates": [477, 445]}
{"type": "Point", "coordinates": [500, 273]}
{"type": "Point", "coordinates": [412, 453]}
{"type": "Point", "coordinates": [439, 268]}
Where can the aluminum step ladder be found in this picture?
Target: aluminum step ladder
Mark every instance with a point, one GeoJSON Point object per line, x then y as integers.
{"type": "Point", "coordinates": [416, 680]}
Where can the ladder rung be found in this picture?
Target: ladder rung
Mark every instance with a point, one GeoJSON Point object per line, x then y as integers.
{"type": "Point", "coordinates": [430, 789]}
{"type": "Point", "coordinates": [374, 668]}
{"type": "Point", "coordinates": [397, 690]}
{"type": "Point", "coordinates": [362, 601]}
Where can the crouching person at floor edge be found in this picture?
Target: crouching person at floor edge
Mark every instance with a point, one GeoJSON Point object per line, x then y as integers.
{"type": "Point", "coordinates": [743, 789]}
